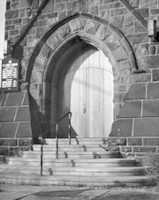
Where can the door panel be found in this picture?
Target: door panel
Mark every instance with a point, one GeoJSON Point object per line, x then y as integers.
{"type": "Point", "coordinates": [92, 97]}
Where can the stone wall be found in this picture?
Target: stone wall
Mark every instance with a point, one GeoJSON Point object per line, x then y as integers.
{"type": "Point", "coordinates": [144, 149]}
{"type": "Point", "coordinates": [15, 115]}
{"type": "Point", "coordinates": [15, 130]}
{"type": "Point", "coordinates": [13, 147]}
{"type": "Point", "coordinates": [137, 114]}
{"type": "Point", "coordinates": [140, 109]}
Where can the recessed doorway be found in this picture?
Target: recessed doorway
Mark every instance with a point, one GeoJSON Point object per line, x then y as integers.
{"type": "Point", "coordinates": [92, 96]}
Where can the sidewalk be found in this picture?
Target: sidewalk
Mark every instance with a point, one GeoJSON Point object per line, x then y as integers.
{"type": "Point", "coordinates": [26, 192]}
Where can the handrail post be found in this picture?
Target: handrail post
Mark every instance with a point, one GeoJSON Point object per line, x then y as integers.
{"type": "Point", "coordinates": [41, 155]}
{"type": "Point", "coordinates": [69, 127]}
{"type": "Point", "coordinates": [69, 115]}
{"type": "Point", "coordinates": [57, 148]}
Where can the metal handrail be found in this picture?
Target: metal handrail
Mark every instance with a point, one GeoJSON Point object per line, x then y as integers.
{"type": "Point", "coordinates": [69, 115]}
{"type": "Point", "coordinates": [63, 116]}
{"type": "Point", "coordinates": [41, 154]}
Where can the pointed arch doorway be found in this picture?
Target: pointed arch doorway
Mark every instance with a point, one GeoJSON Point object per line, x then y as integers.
{"type": "Point", "coordinates": [91, 101]}
{"type": "Point", "coordinates": [80, 80]}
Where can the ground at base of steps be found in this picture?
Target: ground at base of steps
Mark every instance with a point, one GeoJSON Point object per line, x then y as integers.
{"type": "Point", "coordinates": [27, 192]}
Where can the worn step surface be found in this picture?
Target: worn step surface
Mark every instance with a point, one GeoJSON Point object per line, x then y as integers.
{"type": "Point", "coordinates": [83, 163]}
{"type": "Point", "coordinates": [132, 181]}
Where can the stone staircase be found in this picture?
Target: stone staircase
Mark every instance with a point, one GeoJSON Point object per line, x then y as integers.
{"type": "Point", "coordinates": [87, 163]}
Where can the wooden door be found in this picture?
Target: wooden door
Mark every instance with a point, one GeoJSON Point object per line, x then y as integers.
{"type": "Point", "coordinates": [92, 97]}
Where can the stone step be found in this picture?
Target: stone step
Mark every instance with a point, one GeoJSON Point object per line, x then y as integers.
{"type": "Point", "coordinates": [75, 160]}
{"type": "Point", "coordinates": [82, 173]}
{"type": "Point", "coordinates": [73, 155]}
{"type": "Point", "coordinates": [82, 139]}
{"type": "Point", "coordinates": [130, 181]}
{"type": "Point", "coordinates": [49, 153]}
{"type": "Point", "coordinates": [101, 174]}
{"type": "Point", "coordinates": [97, 161]}
{"type": "Point", "coordinates": [74, 142]}
{"type": "Point", "coordinates": [77, 168]}
{"type": "Point", "coordinates": [81, 170]}
{"type": "Point", "coordinates": [71, 151]}
{"type": "Point", "coordinates": [85, 163]}
{"type": "Point", "coordinates": [68, 148]}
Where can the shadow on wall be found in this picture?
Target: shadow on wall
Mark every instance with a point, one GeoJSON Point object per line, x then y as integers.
{"type": "Point", "coordinates": [39, 124]}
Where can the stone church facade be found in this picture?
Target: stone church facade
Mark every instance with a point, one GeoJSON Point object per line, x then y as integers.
{"type": "Point", "coordinates": [48, 36]}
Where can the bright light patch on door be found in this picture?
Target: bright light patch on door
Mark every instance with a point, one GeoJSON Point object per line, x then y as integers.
{"type": "Point", "coordinates": [92, 97]}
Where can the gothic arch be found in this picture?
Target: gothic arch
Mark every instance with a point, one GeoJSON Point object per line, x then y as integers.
{"type": "Point", "coordinates": [92, 31]}
{"type": "Point", "coordinates": [80, 23]}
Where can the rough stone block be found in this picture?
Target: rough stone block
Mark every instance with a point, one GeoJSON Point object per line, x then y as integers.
{"type": "Point", "coordinates": [24, 130]}
{"type": "Point", "coordinates": [144, 12]}
{"type": "Point", "coordinates": [152, 50]}
{"type": "Point", "coordinates": [25, 148]}
{"type": "Point", "coordinates": [73, 5]}
{"type": "Point", "coordinates": [49, 7]}
{"type": "Point", "coordinates": [134, 141]}
{"type": "Point", "coordinates": [7, 130]}
{"type": "Point", "coordinates": [12, 14]}
{"type": "Point", "coordinates": [11, 27]}
{"type": "Point", "coordinates": [134, 3]}
{"type": "Point", "coordinates": [121, 128]}
{"type": "Point", "coordinates": [139, 28]}
{"type": "Point", "coordinates": [151, 160]}
{"type": "Point", "coordinates": [152, 61]}
{"type": "Point", "coordinates": [128, 24]}
{"type": "Point", "coordinates": [14, 151]}
{"type": "Point", "coordinates": [14, 32]}
{"type": "Point", "coordinates": [60, 6]}
{"type": "Point", "coordinates": [14, 99]}
{"type": "Point", "coordinates": [8, 142]}
{"type": "Point", "coordinates": [151, 141]}
{"type": "Point", "coordinates": [23, 114]}
{"type": "Point", "coordinates": [25, 142]}
{"type": "Point", "coordinates": [153, 91]}
{"type": "Point", "coordinates": [144, 149]}
{"type": "Point", "coordinates": [119, 11]}
{"type": "Point", "coordinates": [136, 91]}
{"type": "Point", "coordinates": [4, 151]}
{"type": "Point", "coordinates": [150, 108]}
{"type": "Point", "coordinates": [75, 25]}
{"type": "Point", "coordinates": [122, 87]}
{"type": "Point", "coordinates": [146, 127]}
{"type": "Point", "coordinates": [91, 27]}
{"type": "Point", "coordinates": [118, 21]}
{"type": "Point", "coordinates": [118, 52]}
{"type": "Point", "coordinates": [143, 77]}
{"type": "Point", "coordinates": [148, 4]}
{"type": "Point", "coordinates": [26, 100]}
{"type": "Point", "coordinates": [137, 38]}
{"type": "Point", "coordinates": [119, 97]}
{"type": "Point", "coordinates": [154, 11]}
{"type": "Point", "coordinates": [130, 109]}
{"type": "Point", "coordinates": [7, 114]}
{"type": "Point", "coordinates": [126, 149]}
{"type": "Point", "coordinates": [155, 75]}
{"type": "Point", "coordinates": [118, 140]}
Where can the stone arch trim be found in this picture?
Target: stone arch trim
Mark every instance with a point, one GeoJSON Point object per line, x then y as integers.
{"type": "Point", "coordinates": [92, 30]}
{"type": "Point", "coordinates": [77, 24]}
